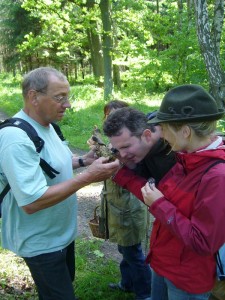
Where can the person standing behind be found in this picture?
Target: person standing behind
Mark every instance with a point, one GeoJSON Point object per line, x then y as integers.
{"type": "Point", "coordinates": [38, 213]}
{"type": "Point", "coordinates": [126, 224]}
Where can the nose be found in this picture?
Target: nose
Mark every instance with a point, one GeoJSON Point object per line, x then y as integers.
{"type": "Point", "coordinates": [66, 104]}
{"type": "Point", "coordinates": [123, 153]}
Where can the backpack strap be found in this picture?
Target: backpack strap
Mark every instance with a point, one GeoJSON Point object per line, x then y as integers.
{"type": "Point", "coordinates": [220, 266]}
{"type": "Point", "coordinates": [58, 131]}
{"type": "Point", "coordinates": [4, 192]}
{"type": "Point", "coordinates": [217, 254]}
{"type": "Point", "coordinates": [28, 128]}
{"type": "Point", "coordinates": [38, 143]}
{"type": "Point", "coordinates": [219, 161]}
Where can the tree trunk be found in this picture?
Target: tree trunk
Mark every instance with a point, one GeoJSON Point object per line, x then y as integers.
{"type": "Point", "coordinates": [116, 68]}
{"type": "Point", "coordinates": [95, 46]}
{"type": "Point", "coordinates": [180, 11]}
{"type": "Point", "coordinates": [209, 42]}
{"type": "Point", "coordinates": [96, 53]}
{"type": "Point", "coordinates": [107, 48]}
{"type": "Point", "coordinates": [190, 11]}
{"type": "Point", "coordinates": [116, 76]}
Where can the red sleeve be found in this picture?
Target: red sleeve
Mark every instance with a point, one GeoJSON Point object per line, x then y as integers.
{"type": "Point", "coordinates": [203, 230]}
{"type": "Point", "coordinates": [127, 179]}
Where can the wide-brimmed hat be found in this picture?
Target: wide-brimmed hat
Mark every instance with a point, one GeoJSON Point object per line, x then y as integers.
{"type": "Point", "coordinates": [189, 102]}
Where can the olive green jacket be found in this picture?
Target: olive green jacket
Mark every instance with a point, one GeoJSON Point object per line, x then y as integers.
{"type": "Point", "coordinates": [125, 217]}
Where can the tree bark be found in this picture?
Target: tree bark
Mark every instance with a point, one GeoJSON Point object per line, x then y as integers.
{"type": "Point", "coordinates": [209, 42]}
{"type": "Point", "coordinates": [107, 48]}
{"type": "Point", "coordinates": [96, 53]}
{"type": "Point", "coordinates": [95, 45]}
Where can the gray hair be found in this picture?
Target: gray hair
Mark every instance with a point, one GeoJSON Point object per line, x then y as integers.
{"type": "Point", "coordinates": [38, 79]}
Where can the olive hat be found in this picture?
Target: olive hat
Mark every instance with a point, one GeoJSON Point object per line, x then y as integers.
{"type": "Point", "coordinates": [189, 102]}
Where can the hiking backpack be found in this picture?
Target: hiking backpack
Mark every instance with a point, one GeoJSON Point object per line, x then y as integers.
{"type": "Point", "coordinates": [38, 143]}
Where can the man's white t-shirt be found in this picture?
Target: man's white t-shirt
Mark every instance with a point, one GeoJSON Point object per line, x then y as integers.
{"type": "Point", "coordinates": [47, 230]}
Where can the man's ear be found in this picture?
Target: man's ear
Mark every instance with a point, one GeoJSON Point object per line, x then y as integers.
{"type": "Point", "coordinates": [32, 96]}
{"type": "Point", "coordinates": [147, 134]}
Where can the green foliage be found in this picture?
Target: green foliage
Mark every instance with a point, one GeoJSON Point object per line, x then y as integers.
{"type": "Point", "coordinates": [221, 126]}
{"type": "Point", "coordinates": [62, 32]}
{"type": "Point", "coordinates": [10, 91]}
{"type": "Point", "coordinates": [15, 24]}
{"type": "Point", "coordinates": [87, 105]}
{"type": "Point", "coordinates": [154, 47]}
{"type": "Point", "coordinates": [86, 110]}
{"type": "Point", "coordinates": [94, 272]}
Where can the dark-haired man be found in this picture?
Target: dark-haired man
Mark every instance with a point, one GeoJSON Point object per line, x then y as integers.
{"type": "Point", "coordinates": [141, 147]}
{"type": "Point", "coordinates": [139, 143]}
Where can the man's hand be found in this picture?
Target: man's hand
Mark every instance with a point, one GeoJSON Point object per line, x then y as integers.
{"type": "Point", "coordinates": [90, 157]}
{"type": "Point", "coordinates": [101, 169]}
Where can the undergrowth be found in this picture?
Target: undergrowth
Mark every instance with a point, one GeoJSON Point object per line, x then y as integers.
{"type": "Point", "coordinates": [93, 274]}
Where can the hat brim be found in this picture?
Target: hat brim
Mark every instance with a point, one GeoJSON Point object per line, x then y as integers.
{"type": "Point", "coordinates": [211, 117]}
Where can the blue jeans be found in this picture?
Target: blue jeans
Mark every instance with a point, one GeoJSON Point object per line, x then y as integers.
{"type": "Point", "coordinates": [53, 274]}
{"type": "Point", "coordinates": [163, 289]}
{"type": "Point", "coordinates": [135, 273]}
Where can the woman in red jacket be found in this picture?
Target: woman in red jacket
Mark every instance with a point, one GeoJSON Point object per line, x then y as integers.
{"type": "Point", "coordinates": [188, 203]}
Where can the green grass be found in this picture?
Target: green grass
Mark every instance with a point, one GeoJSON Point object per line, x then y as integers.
{"type": "Point", "coordinates": [93, 273]}
{"type": "Point", "coordinates": [15, 278]}
{"type": "Point", "coordinates": [86, 110]}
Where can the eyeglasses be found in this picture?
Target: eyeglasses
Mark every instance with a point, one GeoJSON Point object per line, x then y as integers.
{"type": "Point", "coordinates": [61, 99]}
{"type": "Point", "coordinates": [58, 99]}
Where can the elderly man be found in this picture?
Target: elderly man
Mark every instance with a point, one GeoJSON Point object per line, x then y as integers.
{"type": "Point", "coordinates": [39, 213]}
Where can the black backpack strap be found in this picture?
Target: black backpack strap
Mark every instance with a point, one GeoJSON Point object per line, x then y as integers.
{"type": "Point", "coordinates": [4, 192]}
{"type": "Point", "coordinates": [217, 254]}
{"type": "Point", "coordinates": [220, 266]}
{"type": "Point", "coordinates": [38, 143]}
{"type": "Point", "coordinates": [50, 171]}
{"type": "Point", "coordinates": [58, 131]}
{"type": "Point", "coordinates": [28, 128]}
{"type": "Point", "coordinates": [219, 161]}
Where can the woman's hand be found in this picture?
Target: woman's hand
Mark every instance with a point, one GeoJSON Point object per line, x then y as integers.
{"type": "Point", "coordinates": [150, 193]}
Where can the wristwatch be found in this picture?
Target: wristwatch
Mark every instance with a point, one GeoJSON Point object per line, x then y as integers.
{"type": "Point", "coordinates": [81, 162]}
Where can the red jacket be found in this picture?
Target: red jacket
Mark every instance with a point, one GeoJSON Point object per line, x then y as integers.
{"type": "Point", "coordinates": [190, 219]}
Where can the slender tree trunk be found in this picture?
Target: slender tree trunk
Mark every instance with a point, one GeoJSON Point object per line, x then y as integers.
{"type": "Point", "coordinates": [190, 11]}
{"type": "Point", "coordinates": [95, 45]}
{"type": "Point", "coordinates": [96, 53]}
{"type": "Point", "coordinates": [116, 76]}
{"type": "Point", "coordinates": [116, 68]}
{"type": "Point", "coordinates": [157, 6]}
{"type": "Point", "coordinates": [209, 41]}
{"type": "Point", "coordinates": [107, 48]}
